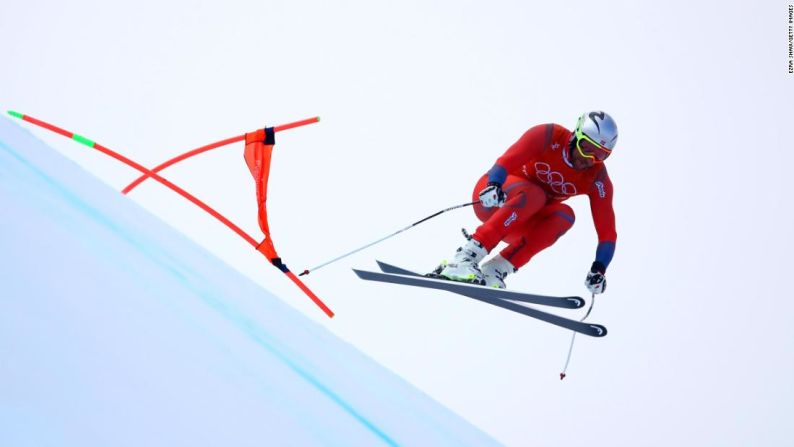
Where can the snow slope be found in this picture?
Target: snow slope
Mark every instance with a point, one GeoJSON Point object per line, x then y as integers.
{"type": "Point", "coordinates": [115, 329]}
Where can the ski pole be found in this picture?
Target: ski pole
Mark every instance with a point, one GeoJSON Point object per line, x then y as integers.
{"type": "Point", "coordinates": [573, 338]}
{"type": "Point", "coordinates": [307, 271]}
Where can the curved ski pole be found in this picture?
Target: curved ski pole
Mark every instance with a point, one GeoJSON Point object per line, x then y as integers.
{"type": "Point", "coordinates": [307, 271]}
{"type": "Point", "coordinates": [573, 338]}
{"type": "Point", "coordinates": [138, 167]}
{"type": "Point", "coordinates": [150, 173]}
{"type": "Point", "coordinates": [210, 147]}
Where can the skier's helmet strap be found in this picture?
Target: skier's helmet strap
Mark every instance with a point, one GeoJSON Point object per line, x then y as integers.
{"type": "Point", "coordinates": [596, 134]}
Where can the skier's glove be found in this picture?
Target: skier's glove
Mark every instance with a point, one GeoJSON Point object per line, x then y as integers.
{"type": "Point", "coordinates": [596, 282]}
{"type": "Point", "coordinates": [492, 196]}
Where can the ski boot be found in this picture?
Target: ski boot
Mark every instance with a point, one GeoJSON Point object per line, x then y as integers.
{"type": "Point", "coordinates": [495, 270]}
{"type": "Point", "coordinates": [464, 266]}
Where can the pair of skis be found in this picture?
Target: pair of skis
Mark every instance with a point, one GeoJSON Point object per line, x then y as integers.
{"type": "Point", "coordinates": [505, 299]}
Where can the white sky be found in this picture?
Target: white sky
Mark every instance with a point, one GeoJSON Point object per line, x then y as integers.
{"type": "Point", "coordinates": [417, 100]}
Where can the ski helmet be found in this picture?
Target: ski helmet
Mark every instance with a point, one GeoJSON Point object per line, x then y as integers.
{"type": "Point", "coordinates": [598, 129]}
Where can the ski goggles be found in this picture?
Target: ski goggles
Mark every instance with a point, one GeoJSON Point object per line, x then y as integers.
{"type": "Point", "coordinates": [590, 149]}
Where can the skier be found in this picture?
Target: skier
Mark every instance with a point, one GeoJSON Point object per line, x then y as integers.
{"type": "Point", "coordinates": [521, 201]}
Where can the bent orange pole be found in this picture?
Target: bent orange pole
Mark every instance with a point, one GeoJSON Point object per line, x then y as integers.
{"type": "Point", "coordinates": [94, 145]}
{"type": "Point", "coordinates": [149, 173]}
{"type": "Point", "coordinates": [210, 147]}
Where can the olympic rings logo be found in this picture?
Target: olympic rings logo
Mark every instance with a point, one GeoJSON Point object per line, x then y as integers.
{"type": "Point", "coordinates": [554, 179]}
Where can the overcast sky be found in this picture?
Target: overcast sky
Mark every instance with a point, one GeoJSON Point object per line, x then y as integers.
{"type": "Point", "coordinates": [417, 100]}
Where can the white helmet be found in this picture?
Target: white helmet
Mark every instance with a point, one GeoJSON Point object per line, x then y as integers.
{"type": "Point", "coordinates": [598, 127]}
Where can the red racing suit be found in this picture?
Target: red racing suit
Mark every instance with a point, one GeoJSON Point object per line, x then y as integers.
{"type": "Point", "coordinates": [537, 176]}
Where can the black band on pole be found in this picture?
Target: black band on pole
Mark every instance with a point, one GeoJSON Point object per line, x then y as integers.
{"type": "Point", "coordinates": [280, 265]}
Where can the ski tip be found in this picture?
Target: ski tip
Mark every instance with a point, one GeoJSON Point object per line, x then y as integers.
{"type": "Point", "coordinates": [598, 330]}
{"type": "Point", "coordinates": [576, 302]}
{"type": "Point", "coordinates": [16, 114]}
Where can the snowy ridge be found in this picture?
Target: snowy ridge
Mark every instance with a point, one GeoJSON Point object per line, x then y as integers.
{"type": "Point", "coordinates": [115, 329]}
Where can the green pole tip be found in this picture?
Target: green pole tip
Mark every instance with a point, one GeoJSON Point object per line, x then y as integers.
{"type": "Point", "coordinates": [15, 114]}
{"type": "Point", "coordinates": [318, 119]}
{"type": "Point", "coordinates": [83, 140]}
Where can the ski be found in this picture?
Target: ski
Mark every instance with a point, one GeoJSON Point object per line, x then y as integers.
{"type": "Point", "coordinates": [568, 302]}
{"type": "Point", "coordinates": [593, 330]}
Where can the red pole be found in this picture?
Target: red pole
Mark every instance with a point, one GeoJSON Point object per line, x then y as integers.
{"type": "Point", "coordinates": [310, 294]}
{"type": "Point", "coordinates": [150, 173]}
{"type": "Point", "coordinates": [209, 147]}
{"type": "Point", "coordinates": [184, 156]}
{"type": "Point", "coordinates": [94, 145]}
